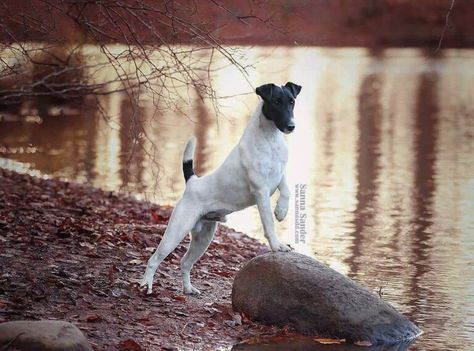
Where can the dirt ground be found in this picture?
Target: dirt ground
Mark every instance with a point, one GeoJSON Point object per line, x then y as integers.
{"type": "Point", "coordinates": [75, 253]}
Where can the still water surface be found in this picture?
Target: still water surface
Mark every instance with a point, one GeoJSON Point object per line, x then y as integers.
{"type": "Point", "coordinates": [382, 157]}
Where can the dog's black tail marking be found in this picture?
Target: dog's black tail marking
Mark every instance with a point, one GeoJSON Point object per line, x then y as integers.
{"type": "Point", "coordinates": [188, 168]}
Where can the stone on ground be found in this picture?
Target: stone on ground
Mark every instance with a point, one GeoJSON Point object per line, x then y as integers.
{"type": "Point", "coordinates": [42, 336]}
{"type": "Point", "coordinates": [291, 289]}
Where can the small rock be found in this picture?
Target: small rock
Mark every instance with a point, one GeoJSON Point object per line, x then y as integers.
{"type": "Point", "coordinates": [290, 289]}
{"type": "Point", "coordinates": [42, 336]}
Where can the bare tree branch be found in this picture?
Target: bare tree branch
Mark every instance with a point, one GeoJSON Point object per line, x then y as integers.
{"type": "Point", "coordinates": [446, 24]}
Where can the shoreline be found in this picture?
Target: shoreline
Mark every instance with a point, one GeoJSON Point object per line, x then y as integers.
{"type": "Point", "coordinates": [76, 253]}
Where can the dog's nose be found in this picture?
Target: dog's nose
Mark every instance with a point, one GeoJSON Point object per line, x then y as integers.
{"type": "Point", "coordinates": [290, 127]}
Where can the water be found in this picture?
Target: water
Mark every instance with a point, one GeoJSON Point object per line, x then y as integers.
{"type": "Point", "coordinates": [383, 151]}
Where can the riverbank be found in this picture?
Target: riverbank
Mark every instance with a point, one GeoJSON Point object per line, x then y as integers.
{"type": "Point", "coordinates": [76, 253]}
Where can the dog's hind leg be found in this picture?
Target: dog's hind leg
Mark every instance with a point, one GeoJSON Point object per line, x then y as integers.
{"type": "Point", "coordinates": [182, 220]}
{"type": "Point", "coordinates": [200, 241]}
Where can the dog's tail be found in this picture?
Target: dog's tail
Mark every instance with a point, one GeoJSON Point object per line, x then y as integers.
{"type": "Point", "coordinates": [188, 168]}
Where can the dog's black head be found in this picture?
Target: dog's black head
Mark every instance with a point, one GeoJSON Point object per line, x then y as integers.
{"type": "Point", "coordinates": [278, 104]}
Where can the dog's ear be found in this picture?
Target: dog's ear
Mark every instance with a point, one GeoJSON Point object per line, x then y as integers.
{"type": "Point", "coordinates": [294, 88]}
{"type": "Point", "coordinates": [265, 91]}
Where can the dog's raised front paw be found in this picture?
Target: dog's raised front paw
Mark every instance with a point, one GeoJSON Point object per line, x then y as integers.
{"type": "Point", "coordinates": [281, 208]}
{"type": "Point", "coordinates": [191, 290]}
{"type": "Point", "coordinates": [280, 212]}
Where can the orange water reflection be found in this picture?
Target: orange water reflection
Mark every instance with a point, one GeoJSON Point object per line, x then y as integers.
{"type": "Point", "coordinates": [384, 142]}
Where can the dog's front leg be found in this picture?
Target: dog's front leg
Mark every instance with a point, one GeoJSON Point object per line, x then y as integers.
{"type": "Point", "coordinates": [264, 208]}
{"type": "Point", "coordinates": [281, 208]}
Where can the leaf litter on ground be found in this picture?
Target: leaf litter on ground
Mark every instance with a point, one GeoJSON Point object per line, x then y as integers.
{"type": "Point", "coordinates": [73, 252]}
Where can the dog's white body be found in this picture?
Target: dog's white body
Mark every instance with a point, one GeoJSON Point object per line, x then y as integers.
{"type": "Point", "coordinates": [251, 173]}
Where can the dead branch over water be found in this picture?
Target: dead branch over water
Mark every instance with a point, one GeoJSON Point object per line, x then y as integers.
{"type": "Point", "coordinates": [75, 54]}
{"type": "Point", "coordinates": [46, 45]}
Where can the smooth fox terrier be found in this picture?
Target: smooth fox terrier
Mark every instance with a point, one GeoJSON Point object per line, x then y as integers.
{"type": "Point", "coordinates": [251, 173]}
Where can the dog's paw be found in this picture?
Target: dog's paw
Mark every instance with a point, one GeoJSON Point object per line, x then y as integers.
{"type": "Point", "coordinates": [281, 208]}
{"type": "Point", "coordinates": [191, 290]}
{"type": "Point", "coordinates": [280, 212]}
{"type": "Point", "coordinates": [282, 248]}
{"type": "Point", "coordinates": [147, 283]}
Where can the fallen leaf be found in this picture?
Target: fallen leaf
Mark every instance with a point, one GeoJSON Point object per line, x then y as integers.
{"type": "Point", "coordinates": [129, 345]}
{"type": "Point", "coordinates": [135, 261]}
{"type": "Point", "coordinates": [158, 218]}
{"type": "Point", "coordinates": [329, 341]}
{"type": "Point", "coordinates": [95, 318]}
{"type": "Point", "coordinates": [179, 297]}
{"type": "Point", "coordinates": [363, 343]}
{"type": "Point", "coordinates": [181, 314]}
{"type": "Point", "coordinates": [86, 244]}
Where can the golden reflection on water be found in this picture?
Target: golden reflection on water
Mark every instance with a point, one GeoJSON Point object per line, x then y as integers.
{"type": "Point", "coordinates": [384, 142]}
{"type": "Point", "coordinates": [108, 146]}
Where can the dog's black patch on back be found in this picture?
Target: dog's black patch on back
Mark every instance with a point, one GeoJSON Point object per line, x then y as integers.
{"type": "Point", "coordinates": [188, 169]}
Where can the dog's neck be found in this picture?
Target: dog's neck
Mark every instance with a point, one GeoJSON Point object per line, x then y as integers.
{"type": "Point", "coordinates": [260, 124]}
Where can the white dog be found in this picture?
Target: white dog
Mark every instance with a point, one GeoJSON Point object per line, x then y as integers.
{"type": "Point", "coordinates": [251, 173]}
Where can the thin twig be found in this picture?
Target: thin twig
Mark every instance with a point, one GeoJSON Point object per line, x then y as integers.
{"type": "Point", "coordinates": [446, 23]}
{"type": "Point", "coordinates": [10, 342]}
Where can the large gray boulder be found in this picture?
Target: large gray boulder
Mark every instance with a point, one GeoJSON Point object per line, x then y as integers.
{"type": "Point", "coordinates": [42, 336]}
{"type": "Point", "coordinates": [291, 289]}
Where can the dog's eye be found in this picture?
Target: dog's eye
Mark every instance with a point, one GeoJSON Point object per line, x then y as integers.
{"type": "Point", "coordinates": [277, 101]}
{"type": "Point", "coordinates": [292, 102]}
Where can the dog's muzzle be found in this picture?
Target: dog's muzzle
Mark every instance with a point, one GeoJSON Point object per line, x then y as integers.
{"type": "Point", "coordinates": [289, 128]}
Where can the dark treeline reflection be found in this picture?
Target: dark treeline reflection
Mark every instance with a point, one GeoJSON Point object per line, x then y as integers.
{"type": "Point", "coordinates": [426, 114]}
{"type": "Point", "coordinates": [384, 142]}
{"type": "Point", "coordinates": [370, 115]}
{"type": "Point", "coordinates": [132, 139]}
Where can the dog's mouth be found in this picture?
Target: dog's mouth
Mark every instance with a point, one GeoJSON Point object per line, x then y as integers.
{"type": "Point", "coordinates": [285, 128]}
{"type": "Point", "coordinates": [288, 131]}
